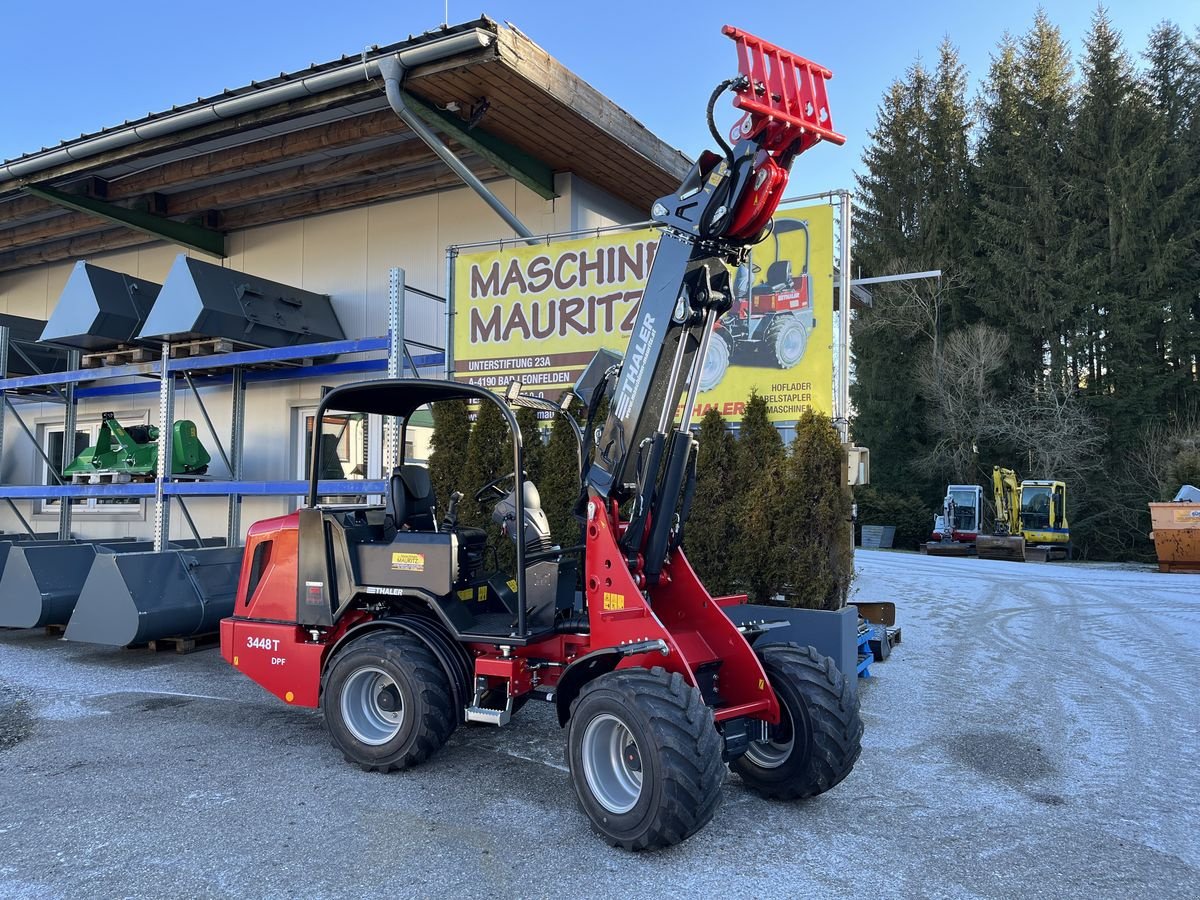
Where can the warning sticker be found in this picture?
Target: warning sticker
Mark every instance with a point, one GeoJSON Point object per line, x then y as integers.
{"type": "Point", "coordinates": [613, 601]}
{"type": "Point", "coordinates": [408, 562]}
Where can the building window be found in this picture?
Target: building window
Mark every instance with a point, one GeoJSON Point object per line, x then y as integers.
{"type": "Point", "coordinates": [51, 436]}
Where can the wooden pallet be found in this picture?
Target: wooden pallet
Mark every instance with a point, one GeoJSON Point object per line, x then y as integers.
{"type": "Point", "coordinates": [217, 346]}
{"type": "Point", "coordinates": [120, 356]}
{"type": "Point", "coordinates": [207, 347]}
{"type": "Point", "coordinates": [185, 644]}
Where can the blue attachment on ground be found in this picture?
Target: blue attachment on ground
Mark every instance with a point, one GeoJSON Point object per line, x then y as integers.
{"type": "Point", "coordinates": [865, 657]}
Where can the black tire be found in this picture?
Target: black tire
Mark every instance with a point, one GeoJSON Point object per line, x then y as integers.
{"type": "Point", "coordinates": [376, 671]}
{"type": "Point", "coordinates": [676, 753]}
{"type": "Point", "coordinates": [787, 339]}
{"type": "Point", "coordinates": [821, 719]}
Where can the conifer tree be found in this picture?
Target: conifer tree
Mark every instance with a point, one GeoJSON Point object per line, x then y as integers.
{"type": "Point", "coordinates": [532, 447]}
{"type": "Point", "coordinates": [1022, 177]}
{"type": "Point", "coordinates": [451, 434]}
{"type": "Point", "coordinates": [489, 455]}
{"type": "Point", "coordinates": [817, 530]}
{"type": "Point", "coordinates": [559, 483]}
{"type": "Point", "coordinates": [1114, 166]}
{"type": "Point", "coordinates": [759, 556]}
{"type": "Point", "coordinates": [710, 530]}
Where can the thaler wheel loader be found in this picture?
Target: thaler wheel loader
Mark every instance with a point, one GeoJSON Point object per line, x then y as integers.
{"type": "Point", "coordinates": [390, 621]}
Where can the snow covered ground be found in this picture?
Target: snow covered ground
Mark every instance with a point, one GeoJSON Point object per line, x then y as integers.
{"type": "Point", "coordinates": [1036, 734]}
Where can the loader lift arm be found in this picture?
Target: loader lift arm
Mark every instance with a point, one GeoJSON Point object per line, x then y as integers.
{"type": "Point", "coordinates": [723, 207]}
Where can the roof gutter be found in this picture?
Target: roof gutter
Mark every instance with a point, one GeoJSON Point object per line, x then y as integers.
{"type": "Point", "coordinates": [173, 123]}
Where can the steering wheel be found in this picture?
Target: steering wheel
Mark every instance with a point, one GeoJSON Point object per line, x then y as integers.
{"type": "Point", "coordinates": [492, 491]}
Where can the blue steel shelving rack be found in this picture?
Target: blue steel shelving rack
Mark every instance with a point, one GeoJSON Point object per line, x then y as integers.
{"type": "Point", "coordinates": [242, 367]}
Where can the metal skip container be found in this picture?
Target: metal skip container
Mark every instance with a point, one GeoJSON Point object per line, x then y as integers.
{"type": "Point", "coordinates": [1176, 535]}
{"type": "Point", "coordinates": [41, 582]}
{"type": "Point", "coordinates": [132, 598]}
{"type": "Point", "coordinates": [201, 300]}
{"type": "Point", "coordinates": [100, 309]}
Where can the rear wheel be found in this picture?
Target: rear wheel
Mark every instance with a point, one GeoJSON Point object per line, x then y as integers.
{"type": "Point", "coordinates": [645, 758]}
{"type": "Point", "coordinates": [387, 702]}
{"type": "Point", "coordinates": [819, 735]}
{"type": "Point", "coordinates": [787, 339]}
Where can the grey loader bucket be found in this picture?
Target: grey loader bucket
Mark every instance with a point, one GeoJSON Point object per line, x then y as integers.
{"type": "Point", "coordinates": [99, 308]}
{"type": "Point", "coordinates": [27, 334]}
{"type": "Point", "coordinates": [11, 540]}
{"type": "Point", "coordinates": [133, 598]}
{"type": "Point", "coordinates": [200, 300]}
{"type": "Point", "coordinates": [41, 582]}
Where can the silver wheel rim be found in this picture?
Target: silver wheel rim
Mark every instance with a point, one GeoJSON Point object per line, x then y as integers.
{"type": "Point", "coordinates": [773, 753]}
{"type": "Point", "coordinates": [716, 361]}
{"type": "Point", "coordinates": [366, 696]}
{"type": "Point", "coordinates": [612, 763]}
{"type": "Point", "coordinates": [789, 347]}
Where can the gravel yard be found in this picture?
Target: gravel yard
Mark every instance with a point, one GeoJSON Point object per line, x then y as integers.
{"type": "Point", "coordinates": [1036, 734]}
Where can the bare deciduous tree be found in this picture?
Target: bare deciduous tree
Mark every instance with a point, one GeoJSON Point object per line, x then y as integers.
{"type": "Point", "coordinates": [962, 405]}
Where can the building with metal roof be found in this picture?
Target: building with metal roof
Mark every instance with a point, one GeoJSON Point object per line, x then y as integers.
{"type": "Point", "coordinates": [325, 179]}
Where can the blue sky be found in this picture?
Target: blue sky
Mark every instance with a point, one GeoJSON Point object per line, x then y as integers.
{"type": "Point", "coordinates": [94, 65]}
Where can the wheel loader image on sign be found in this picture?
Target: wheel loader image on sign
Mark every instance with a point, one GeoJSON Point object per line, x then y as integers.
{"type": "Point", "coordinates": [770, 322]}
{"type": "Point", "coordinates": [399, 624]}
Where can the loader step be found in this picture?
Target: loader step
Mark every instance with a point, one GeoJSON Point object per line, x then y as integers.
{"type": "Point", "coordinates": [488, 716]}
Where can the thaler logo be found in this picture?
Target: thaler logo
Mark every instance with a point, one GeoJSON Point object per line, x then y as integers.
{"type": "Point", "coordinates": [631, 377]}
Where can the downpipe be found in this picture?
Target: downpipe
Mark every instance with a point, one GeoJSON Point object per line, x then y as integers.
{"type": "Point", "coordinates": [392, 73]}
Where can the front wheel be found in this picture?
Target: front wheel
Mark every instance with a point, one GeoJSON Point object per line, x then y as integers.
{"type": "Point", "coordinates": [819, 735]}
{"type": "Point", "coordinates": [387, 702]}
{"type": "Point", "coordinates": [788, 339]}
{"type": "Point", "coordinates": [645, 758]}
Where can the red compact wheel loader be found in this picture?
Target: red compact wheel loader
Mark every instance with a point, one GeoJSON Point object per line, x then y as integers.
{"type": "Point", "coordinates": [390, 620]}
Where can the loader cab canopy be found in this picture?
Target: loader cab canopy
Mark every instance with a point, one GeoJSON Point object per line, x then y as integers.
{"type": "Point", "coordinates": [401, 397]}
{"type": "Point", "coordinates": [407, 550]}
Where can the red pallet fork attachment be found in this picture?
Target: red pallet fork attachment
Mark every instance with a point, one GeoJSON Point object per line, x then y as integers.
{"type": "Point", "coordinates": [786, 113]}
{"type": "Point", "coordinates": [784, 99]}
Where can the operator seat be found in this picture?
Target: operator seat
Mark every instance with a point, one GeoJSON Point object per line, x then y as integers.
{"type": "Point", "coordinates": [779, 278]}
{"type": "Point", "coordinates": [410, 494]}
{"type": "Point", "coordinates": [412, 503]}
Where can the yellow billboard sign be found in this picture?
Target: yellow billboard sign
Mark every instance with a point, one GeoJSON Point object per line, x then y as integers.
{"type": "Point", "coordinates": [538, 314]}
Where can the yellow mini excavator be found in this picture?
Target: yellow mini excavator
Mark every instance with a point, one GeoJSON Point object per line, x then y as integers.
{"type": "Point", "coordinates": [1031, 520]}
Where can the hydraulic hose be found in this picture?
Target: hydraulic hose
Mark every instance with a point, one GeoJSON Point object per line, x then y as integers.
{"type": "Point", "coordinates": [712, 123]}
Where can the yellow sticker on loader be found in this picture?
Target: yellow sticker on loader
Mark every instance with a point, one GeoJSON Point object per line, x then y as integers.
{"type": "Point", "coordinates": [613, 602]}
{"type": "Point", "coordinates": [408, 562]}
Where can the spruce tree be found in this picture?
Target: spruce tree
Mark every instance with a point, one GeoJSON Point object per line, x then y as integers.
{"type": "Point", "coordinates": [759, 556]}
{"type": "Point", "coordinates": [489, 455]}
{"type": "Point", "coordinates": [559, 483]}
{"type": "Point", "coordinates": [1021, 181]}
{"type": "Point", "coordinates": [1173, 82]}
{"type": "Point", "coordinates": [532, 446]}
{"type": "Point", "coordinates": [451, 434]}
{"type": "Point", "coordinates": [816, 527]}
{"type": "Point", "coordinates": [710, 530]}
{"type": "Point", "coordinates": [1114, 165]}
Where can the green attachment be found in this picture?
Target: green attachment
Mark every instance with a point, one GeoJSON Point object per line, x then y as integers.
{"type": "Point", "coordinates": [133, 452]}
{"type": "Point", "coordinates": [187, 453]}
